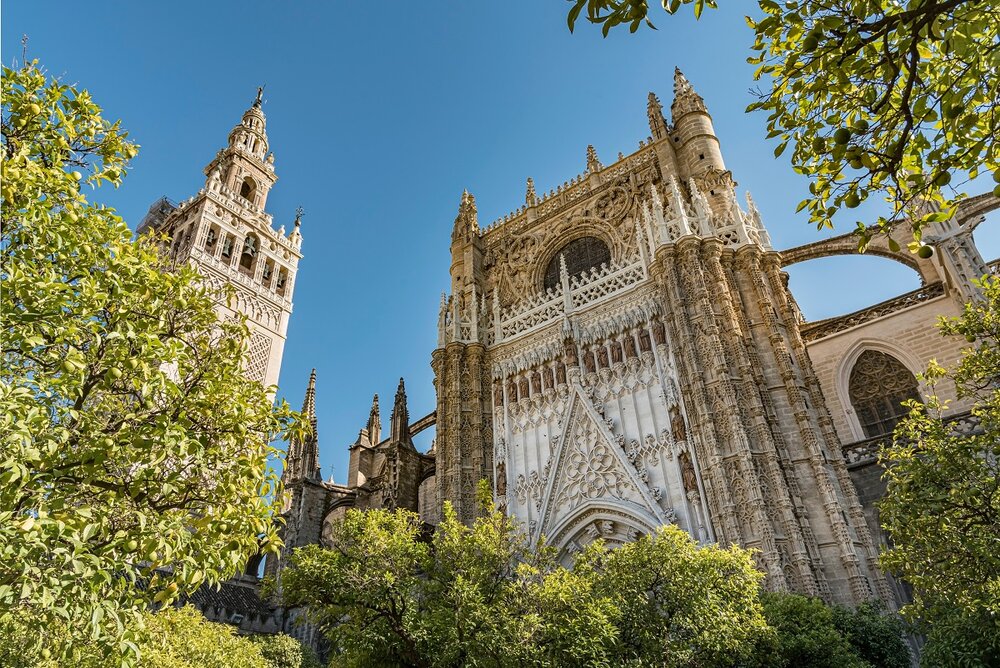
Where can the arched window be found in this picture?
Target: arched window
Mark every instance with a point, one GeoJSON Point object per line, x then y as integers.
{"type": "Point", "coordinates": [250, 247]}
{"type": "Point", "coordinates": [249, 189]}
{"type": "Point", "coordinates": [878, 387]}
{"type": "Point", "coordinates": [581, 255]}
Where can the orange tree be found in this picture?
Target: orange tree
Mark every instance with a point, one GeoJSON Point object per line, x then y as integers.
{"type": "Point", "coordinates": [874, 97]}
{"type": "Point", "coordinates": [133, 450]}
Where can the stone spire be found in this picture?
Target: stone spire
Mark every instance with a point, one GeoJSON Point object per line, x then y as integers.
{"type": "Point", "coordinates": [310, 448]}
{"type": "Point", "coordinates": [400, 421]}
{"type": "Point", "coordinates": [309, 402]}
{"type": "Point", "coordinates": [530, 198]}
{"type": "Point", "coordinates": [302, 461]}
{"type": "Point", "coordinates": [374, 422]}
{"type": "Point", "coordinates": [686, 99]}
{"type": "Point", "coordinates": [467, 221]}
{"type": "Point", "coordinates": [657, 124]}
{"type": "Point", "coordinates": [593, 164]}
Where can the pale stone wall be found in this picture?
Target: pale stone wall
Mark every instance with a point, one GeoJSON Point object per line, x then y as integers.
{"type": "Point", "coordinates": [909, 335]}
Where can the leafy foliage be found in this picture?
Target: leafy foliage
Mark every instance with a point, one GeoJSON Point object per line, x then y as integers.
{"type": "Point", "coordinates": [942, 504]}
{"type": "Point", "coordinates": [183, 638]}
{"type": "Point", "coordinates": [875, 635]}
{"type": "Point", "coordinates": [479, 596]}
{"type": "Point", "coordinates": [681, 604]}
{"type": "Point", "coordinates": [874, 96]}
{"type": "Point", "coordinates": [168, 638]}
{"type": "Point", "coordinates": [281, 651]}
{"type": "Point", "coordinates": [808, 634]}
{"type": "Point", "coordinates": [961, 640]}
{"type": "Point", "coordinates": [132, 448]}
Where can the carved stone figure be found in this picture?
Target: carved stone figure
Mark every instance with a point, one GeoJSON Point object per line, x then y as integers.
{"type": "Point", "coordinates": [501, 480]}
{"type": "Point", "coordinates": [688, 476]}
{"type": "Point", "coordinates": [570, 353]}
{"type": "Point", "coordinates": [659, 333]}
{"type": "Point", "coordinates": [677, 428]}
{"type": "Point", "coordinates": [629, 346]}
{"type": "Point", "coordinates": [644, 343]}
{"type": "Point", "coordinates": [560, 373]}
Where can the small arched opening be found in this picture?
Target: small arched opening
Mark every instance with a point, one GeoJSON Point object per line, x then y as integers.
{"type": "Point", "coordinates": [248, 189]}
{"type": "Point", "coordinates": [581, 255]}
{"type": "Point", "coordinates": [251, 246]}
{"type": "Point", "coordinates": [211, 238]}
{"type": "Point", "coordinates": [878, 386]}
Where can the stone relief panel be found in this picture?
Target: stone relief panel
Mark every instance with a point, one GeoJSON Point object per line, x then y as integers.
{"type": "Point", "coordinates": [517, 255]}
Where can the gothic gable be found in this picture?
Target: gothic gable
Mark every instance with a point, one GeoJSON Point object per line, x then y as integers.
{"type": "Point", "coordinates": [590, 472]}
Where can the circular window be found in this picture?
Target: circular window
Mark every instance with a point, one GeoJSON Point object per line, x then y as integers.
{"type": "Point", "coordinates": [581, 255]}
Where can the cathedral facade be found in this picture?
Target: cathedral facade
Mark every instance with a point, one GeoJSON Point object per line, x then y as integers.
{"type": "Point", "coordinates": [620, 353]}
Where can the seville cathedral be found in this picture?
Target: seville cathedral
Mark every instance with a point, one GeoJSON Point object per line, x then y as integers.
{"type": "Point", "coordinates": [620, 353]}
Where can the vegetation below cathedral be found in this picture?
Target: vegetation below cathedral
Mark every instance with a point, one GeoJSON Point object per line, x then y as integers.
{"type": "Point", "coordinates": [136, 456]}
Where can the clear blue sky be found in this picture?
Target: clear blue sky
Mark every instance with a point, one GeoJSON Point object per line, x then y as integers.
{"type": "Point", "coordinates": [379, 114]}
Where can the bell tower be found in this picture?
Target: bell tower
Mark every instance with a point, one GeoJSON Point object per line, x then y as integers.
{"type": "Point", "coordinates": [224, 231]}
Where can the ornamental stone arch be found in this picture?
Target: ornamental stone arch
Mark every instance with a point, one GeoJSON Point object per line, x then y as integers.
{"type": "Point", "coordinates": [972, 211]}
{"type": "Point", "coordinates": [847, 364]}
{"type": "Point", "coordinates": [847, 244]}
{"type": "Point", "coordinates": [583, 254]}
{"type": "Point", "coordinates": [612, 520]}
{"type": "Point", "coordinates": [337, 507]}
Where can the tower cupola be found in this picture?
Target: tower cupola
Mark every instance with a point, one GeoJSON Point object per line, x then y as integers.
{"type": "Point", "coordinates": [251, 134]}
{"type": "Point", "coordinates": [245, 168]}
{"type": "Point", "coordinates": [693, 134]}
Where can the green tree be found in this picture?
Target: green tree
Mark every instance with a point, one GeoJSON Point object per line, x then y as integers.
{"type": "Point", "coordinates": [681, 604]}
{"type": "Point", "coordinates": [806, 633]}
{"type": "Point", "coordinates": [875, 635]}
{"type": "Point", "coordinates": [183, 638]}
{"type": "Point", "coordinates": [874, 96]}
{"type": "Point", "coordinates": [281, 651]}
{"type": "Point", "coordinates": [133, 451]}
{"type": "Point", "coordinates": [942, 503]}
{"type": "Point", "coordinates": [480, 596]}
{"type": "Point", "coordinates": [167, 638]}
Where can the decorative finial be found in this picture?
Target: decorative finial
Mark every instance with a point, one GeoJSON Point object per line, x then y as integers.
{"type": "Point", "coordinates": [681, 84]}
{"type": "Point", "coordinates": [593, 164]}
{"type": "Point", "coordinates": [657, 124]}
{"type": "Point", "coordinates": [298, 216]}
{"type": "Point", "coordinates": [685, 98]}
{"type": "Point", "coordinates": [260, 96]}
{"type": "Point", "coordinates": [467, 222]}
{"type": "Point", "coordinates": [530, 197]}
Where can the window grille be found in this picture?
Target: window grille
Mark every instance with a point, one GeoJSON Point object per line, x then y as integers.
{"type": "Point", "coordinates": [581, 255]}
{"type": "Point", "coordinates": [878, 386]}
